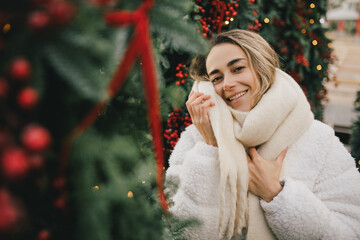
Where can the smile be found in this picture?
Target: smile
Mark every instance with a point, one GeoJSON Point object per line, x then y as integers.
{"type": "Point", "coordinates": [237, 95]}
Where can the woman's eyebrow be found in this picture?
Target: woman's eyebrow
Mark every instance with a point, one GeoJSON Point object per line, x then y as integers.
{"type": "Point", "coordinates": [234, 61]}
{"type": "Point", "coordinates": [228, 64]}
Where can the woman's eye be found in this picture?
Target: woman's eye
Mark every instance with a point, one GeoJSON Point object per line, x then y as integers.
{"type": "Point", "coordinates": [237, 69]}
{"type": "Point", "coordinates": [216, 79]}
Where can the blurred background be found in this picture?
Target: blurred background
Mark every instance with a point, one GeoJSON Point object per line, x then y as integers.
{"type": "Point", "coordinates": [84, 83]}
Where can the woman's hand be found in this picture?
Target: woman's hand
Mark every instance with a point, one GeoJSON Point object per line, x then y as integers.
{"type": "Point", "coordinates": [197, 105]}
{"type": "Point", "coordinates": [264, 175]}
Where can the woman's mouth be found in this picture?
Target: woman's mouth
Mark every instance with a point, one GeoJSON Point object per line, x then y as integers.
{"type": "Point", "coordinates": [237, 96]}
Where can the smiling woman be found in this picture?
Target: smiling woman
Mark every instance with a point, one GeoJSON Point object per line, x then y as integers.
{"type": "Point", "coordinates": [255, 164]}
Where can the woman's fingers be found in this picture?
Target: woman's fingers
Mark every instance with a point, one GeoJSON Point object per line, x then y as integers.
{"type": "Point", "coordinates": [255, 156]}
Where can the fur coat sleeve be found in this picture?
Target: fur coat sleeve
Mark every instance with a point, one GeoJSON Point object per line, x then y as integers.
{"type": "Point", "coordinates": [192, 182]}
{"type": "Point", "coordinates": [322, 202]}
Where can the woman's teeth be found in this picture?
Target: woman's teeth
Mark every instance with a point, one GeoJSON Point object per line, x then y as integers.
{"type": "Point", "coordinates": [237, 95]}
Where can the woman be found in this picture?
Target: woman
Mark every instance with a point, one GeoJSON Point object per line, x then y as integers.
{"type": "Point", "coordinates": [255, 164]}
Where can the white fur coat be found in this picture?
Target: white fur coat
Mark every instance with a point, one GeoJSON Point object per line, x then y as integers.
{"type": "Point", "coordinates": [320, 199]}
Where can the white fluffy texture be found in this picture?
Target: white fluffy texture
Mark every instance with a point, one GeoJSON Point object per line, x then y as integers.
{"type": "Point", "coordinates": [320, 200]}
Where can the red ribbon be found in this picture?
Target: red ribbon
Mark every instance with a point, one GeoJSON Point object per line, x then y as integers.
{"type": "Point", "coordinates": [220, 9]}
{"type": "Point", "coordinates": [140, 47]}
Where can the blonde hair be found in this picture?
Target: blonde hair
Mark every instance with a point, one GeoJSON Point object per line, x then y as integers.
{"type": "Point", "coordinates": [263, 60]}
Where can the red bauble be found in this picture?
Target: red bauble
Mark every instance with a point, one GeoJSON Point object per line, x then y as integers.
{"type": "Point", "coordinates": [43, 235]}
{"type": "Point", "coordinates": [62, 13]}
{"type": "Point", "coordinates": [9, 213]}
{"type": "Point", "coordinates": [4, 88]}
{"type": "Point", "coordinates": [36, 138]}
{"type": "Point", "coordinates": [14, 164]}
{"type": "Point", "coordinates": [60, 202]}
{"type": "Point", "coordinates": [27, 98]}
{"type": "Point", "coordinates": [38, 20]}
{"type": "Point", "coordinates": [20, 69]}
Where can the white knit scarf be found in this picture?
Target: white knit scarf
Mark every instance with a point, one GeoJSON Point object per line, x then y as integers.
{"type": "Point", "coordinates": [279, 119]}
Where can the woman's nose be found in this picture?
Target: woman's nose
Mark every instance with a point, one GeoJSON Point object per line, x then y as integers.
{"type": "Point", "coordinates": [229, 82]}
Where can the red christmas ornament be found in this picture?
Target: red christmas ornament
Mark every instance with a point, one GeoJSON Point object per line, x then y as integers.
{"type": "Point", "coordinates": [9, 213]}
{"type": "Point", "coordinates": [62, 13]}
{"type": "Point", "coordinates": [43, 235]}
{"type": "Point", "coordinates": [4, 88]}
{"type": "Point", "coordinates": [60, 202]}
{"type": "Point", "coordinates": [38, 20]}
{"type": "Point", "coordinates": [36, 138]}
{"type": "Point", "coordinates": [20, 69]}
{"type": "Point", "coordinates": [14, 164]}
{"type": "Point", "coordinates": [27, 98]}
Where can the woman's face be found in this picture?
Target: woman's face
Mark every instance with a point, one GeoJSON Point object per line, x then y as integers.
{"type": "Point", "coordinates": [229, 70]}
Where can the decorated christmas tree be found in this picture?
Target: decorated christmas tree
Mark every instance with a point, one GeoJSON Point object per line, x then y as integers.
{"type": "Point", "coordinates": [76, 152]}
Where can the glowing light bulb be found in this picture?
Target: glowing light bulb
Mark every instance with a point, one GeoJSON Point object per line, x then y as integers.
{"type": "Point", "coordinates": [303, 31]}
{"type": "Point", "coordinates": [319, 67]}
{"type": "Point", "coordinates": [314, 42]}
{"type": "Point", "coordinates": [312, 5]}
{"type": "Point", "coordinates": [130, 194]}
{"type": "Point", "coordinates": [6, 28]}
{"type": "Point", "coordinates": [96, 187]}
{"type": "Point", "coordinates": [312, 21]}
{"type": "Point", "coordinates": [266, 20]}
{"type": "Point", "coordinates": [227, 22]}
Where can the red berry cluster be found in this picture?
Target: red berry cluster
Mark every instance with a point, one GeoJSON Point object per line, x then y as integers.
{"type": "Point", "coordinates": [50, 13]}
{"type": "Point", "coordinates": [301, 59]}
{"type": "Point", "coordinates": [23, 143]}
{"type": "Point", "coordinates": [20, 152]}
{"type": "Point", "coordinates": [177, 122]}
{"type": "Point", "coordinates": [181, 73]}
{"type": "Point", "coordinates": [214, 14]}
{"type": "Point", "coordinates": [256, 26]}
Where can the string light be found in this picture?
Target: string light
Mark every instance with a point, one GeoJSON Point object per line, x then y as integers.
{"type": "Point", "coordinates": [314, 42]}
{"type": "Point", "coordinates": [231, 19]}
{"type": "Point", "coordinates": [130, 194]}
{"type": "Point", "coordinates": [303, 31]}
{"type": "Point", "coordinates": [227, 22]}
{"type": "Point", "coordinates": [6, 28]}
{"type": "Point", "coordinates": [319, 67]}
{"type": "Point", "coordinates": [96, 188]}
{"type": "Point", "coordinates": [143, 182]}
{"type": "Point", "coordinates": [311, 21]}
{"type": "Point", "coordinates": [312, 5]}
{"type": "Point", "coordinates": [266, 20]}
